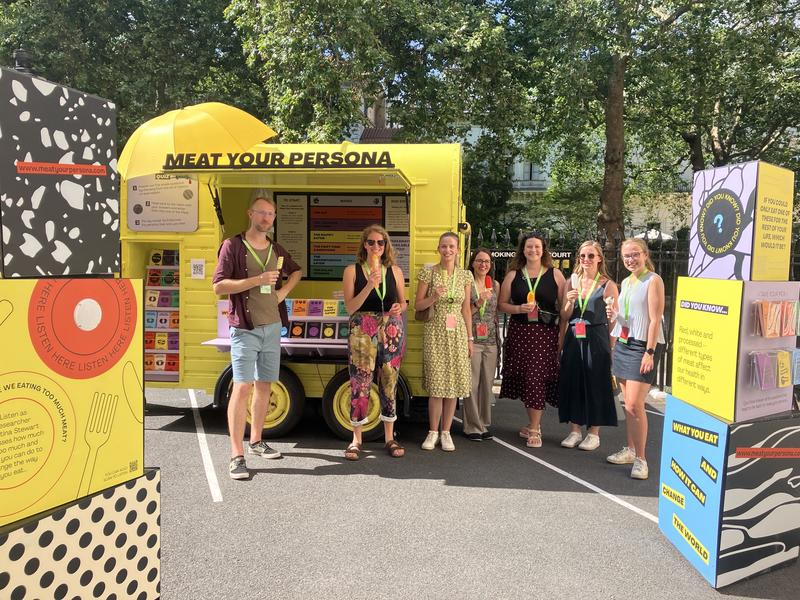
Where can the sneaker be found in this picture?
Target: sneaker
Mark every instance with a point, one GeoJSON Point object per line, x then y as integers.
{"type": "Point", "coordinates": [639, 470]}
{"type": "Point", "coordinates": [623, 457]}
{"type": "Point", "coordinates": [447, 442]}
{"type": "Point", "coordinates": [430, 441]}
{"type": "Point", "coordinates": [590, 442]}
{"type": "Point", "coordinates": [237, 468]}
{"type": "Point", "coordinates": [473, 437]}
{"type": "Point", "coordinates": [572, 440]}
{"type": "Point", "coordinates": [261, 449]}
{"type": "Point", "coordinates": [487, 435]}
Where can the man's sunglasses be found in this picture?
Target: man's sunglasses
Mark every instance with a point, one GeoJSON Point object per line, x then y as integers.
{"type": "Point", "coordinates": [373, 242]}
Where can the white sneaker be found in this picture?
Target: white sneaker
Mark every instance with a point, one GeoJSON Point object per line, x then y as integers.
{"type": "Point", "coordinates": [590, 442]}
{"type": "Point", "coordinates": [572, 440]}
{"type": "Point", "coordinates": [625, 456]}
{"type": "Point", "coordinates": [639, 470]}
{"type": "Point", "coordinates": [430, 441]}
{"type": "Point", "coordinates": [447, 442]}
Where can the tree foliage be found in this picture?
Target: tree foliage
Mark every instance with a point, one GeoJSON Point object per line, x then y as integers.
{"type": "Point", "coordinates": [149, 56]}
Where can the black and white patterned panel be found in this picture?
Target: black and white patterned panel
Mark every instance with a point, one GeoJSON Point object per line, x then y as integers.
{"type": "Point", "coordinates": [56, 221]}
{"type": "Point", "coordinates": [103, 546]}
{"type": "Point", "coordinates": [761, 514]}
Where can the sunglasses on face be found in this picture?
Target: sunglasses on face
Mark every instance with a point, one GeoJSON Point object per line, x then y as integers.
{"type": "Point", "coordinates": [373, 242]}
{"type": "Point", "coordinates": [588, 256]}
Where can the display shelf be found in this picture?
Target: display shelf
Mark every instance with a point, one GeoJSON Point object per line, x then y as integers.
{"type": "Point", "coordinates": [162, 308]}
{"type": "Point", "coordinates": [162, 375]}
{"type": "Point", "coordinates": [319, 319]}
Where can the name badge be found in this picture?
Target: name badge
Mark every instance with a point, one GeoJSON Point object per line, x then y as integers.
{"type": "Point", "coordinates": [450, 322]}
{"type": "Point", "coordinates": [580, 329]}
{"type": "Point", "coordinates": [266, 289]}
{"type": "Point", "coordinates": [481, 331]}
{"type": "Point", "coordinates": [533, 316]}
{"type": "Point", "coordinates": [623, 335]}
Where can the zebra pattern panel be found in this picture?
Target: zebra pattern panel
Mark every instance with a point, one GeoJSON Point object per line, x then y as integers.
{"type": "Point", "coordinates": [760, 527]}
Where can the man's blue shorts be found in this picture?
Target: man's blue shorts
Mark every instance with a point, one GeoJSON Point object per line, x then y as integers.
{"type": "Point", "coordinates": [256, 353]}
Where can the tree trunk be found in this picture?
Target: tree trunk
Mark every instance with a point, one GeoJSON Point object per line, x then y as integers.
{"type": "Point", "coordinates": [695, 150]}
{"type": "Point", "coordinates": [609, 219]}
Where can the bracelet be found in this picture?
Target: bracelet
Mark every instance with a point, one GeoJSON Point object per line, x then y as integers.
{"type": "Point", "coordinates": [470, 339]}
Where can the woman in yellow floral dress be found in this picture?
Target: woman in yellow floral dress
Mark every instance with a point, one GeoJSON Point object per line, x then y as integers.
{"type": "Point", "coordinates": [448, 340]}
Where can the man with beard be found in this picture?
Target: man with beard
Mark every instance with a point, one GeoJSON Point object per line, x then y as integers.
{"type": "Point", "coordinates": [250, 270]}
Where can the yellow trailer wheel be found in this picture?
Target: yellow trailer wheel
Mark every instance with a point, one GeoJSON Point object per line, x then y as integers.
{"type": "Point", "coordinates": [336, 409]}
{"type": "Point", "coordinates": [286, 403]}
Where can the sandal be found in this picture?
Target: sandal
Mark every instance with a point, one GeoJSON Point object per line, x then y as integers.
{"type": "Point", "coordinates": [353, 452]}
{"type": "Point", "coordinates": [394, 449]}
{"type": "Point", "coordinates": [525, 432]}
{"type": "Point", "coordinates": [534, 439]}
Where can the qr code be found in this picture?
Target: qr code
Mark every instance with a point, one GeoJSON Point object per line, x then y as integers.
{"type": "Point", "coordinates": [133, 465]}
{"type": "Point", "coordinates": [198, 270]}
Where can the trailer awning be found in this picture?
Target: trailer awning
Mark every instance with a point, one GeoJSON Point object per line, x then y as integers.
{"type": "Point", "coordinates": [317, 179]}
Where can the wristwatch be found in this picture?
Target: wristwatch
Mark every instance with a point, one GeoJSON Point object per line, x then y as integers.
{"type": "Point", "coordinates": [650, 351]}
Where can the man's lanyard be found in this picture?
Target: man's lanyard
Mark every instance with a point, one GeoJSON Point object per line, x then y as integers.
{"type": "Point", "coordinates": [264, 264]}
{"type": "Point", "coordinates": [482, 307]}
{"type": "Point", "coordinates": [628, 292]}
{"type": "Point", "coordinates": [382, 292]}
{"type": "Point", "coordinates": [584, 302]}
{"type": "Point", "coordinates": [528, 280]}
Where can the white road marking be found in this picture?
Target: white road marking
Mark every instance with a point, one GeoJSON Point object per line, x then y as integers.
{"type": "Point", "coordinates": [211, 475]}
{"type": "Point", "coordinates": [576, 479]}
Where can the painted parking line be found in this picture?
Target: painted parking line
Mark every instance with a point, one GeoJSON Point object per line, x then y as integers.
{"type": "Point", "coordinates": [576, 479]}
{"type": "Point", "coordinates": [211, 475]}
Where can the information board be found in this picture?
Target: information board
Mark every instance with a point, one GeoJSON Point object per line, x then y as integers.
{"type": "Point", "coordinates": [163, 203]}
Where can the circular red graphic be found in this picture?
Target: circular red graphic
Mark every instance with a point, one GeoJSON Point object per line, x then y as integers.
{"type": "Point", "coordinates": [81, 328]}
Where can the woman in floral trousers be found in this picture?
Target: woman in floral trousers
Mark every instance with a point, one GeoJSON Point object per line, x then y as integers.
{"type": "Point", "coordinates": [374, 295]}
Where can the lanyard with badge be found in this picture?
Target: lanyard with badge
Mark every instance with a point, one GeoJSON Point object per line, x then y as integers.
{"type": "Point", "coordinates": [450, 320]}
{"type": "Point", "coordinates": [626, 303]}
{"type": "Point", "coordinates": [481, 328]}
{"type": "Point", "coordinates": [264, 289]}
{"type": "Point", "coordinates": [583, 302]}
{"type": "Point", "coordinates": [380, 291]}
{"type": "Point", "coordinates": [533, 316]}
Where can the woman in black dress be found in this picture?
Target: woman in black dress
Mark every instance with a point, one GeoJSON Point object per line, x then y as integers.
{"type": "Point", "coordinates": [584, 390]}
{"type": "Point", "coordinates": [531, 293]}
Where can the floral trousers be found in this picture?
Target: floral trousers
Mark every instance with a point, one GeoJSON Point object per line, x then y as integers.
{"type": "Point", "coordinates": [377, 343]}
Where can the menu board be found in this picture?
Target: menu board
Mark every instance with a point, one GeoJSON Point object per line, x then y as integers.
{"type": "Point", "coordinates": [322, 231]}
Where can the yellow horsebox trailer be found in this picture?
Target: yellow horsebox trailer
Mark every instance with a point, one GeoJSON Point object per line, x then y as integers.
{"type": "Point", "coordinates": [173, 222]}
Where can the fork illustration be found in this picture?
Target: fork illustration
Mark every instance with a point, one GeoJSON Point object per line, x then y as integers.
{"type": "Point", "coordinates": [98, 430]}
{"type": "Point", "coordinates": [6, 308]}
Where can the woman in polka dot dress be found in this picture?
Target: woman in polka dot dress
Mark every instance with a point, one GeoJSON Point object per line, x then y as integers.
{"type": "Point", "coordinates": [531, 293]}
{"type": "Point", "coordinates": [448, 340]}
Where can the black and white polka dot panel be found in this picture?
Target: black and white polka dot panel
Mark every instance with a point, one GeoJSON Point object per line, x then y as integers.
{"type": "Point", "coordinates": [59, 187]}
{"type": "Point", "coordinates": [103, 546]}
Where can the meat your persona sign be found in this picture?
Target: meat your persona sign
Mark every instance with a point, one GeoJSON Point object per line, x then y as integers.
{"type": "Point", "coordinates": [353, 159]}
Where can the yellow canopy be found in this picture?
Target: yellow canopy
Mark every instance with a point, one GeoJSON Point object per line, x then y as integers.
{"type": "Point", "coordinates": [202, 128]}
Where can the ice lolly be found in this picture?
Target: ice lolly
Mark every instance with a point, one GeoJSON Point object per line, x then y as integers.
{"type": "Point", "coordinates": [489, 283]}
{"type": "Point", "coordinates": [375, 264]}
{"type": "Point", "coordinates": [575, 281]}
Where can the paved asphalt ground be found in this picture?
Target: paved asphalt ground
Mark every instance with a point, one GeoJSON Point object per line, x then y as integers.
{"type": "Point", "coordinates": [491, 520]}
